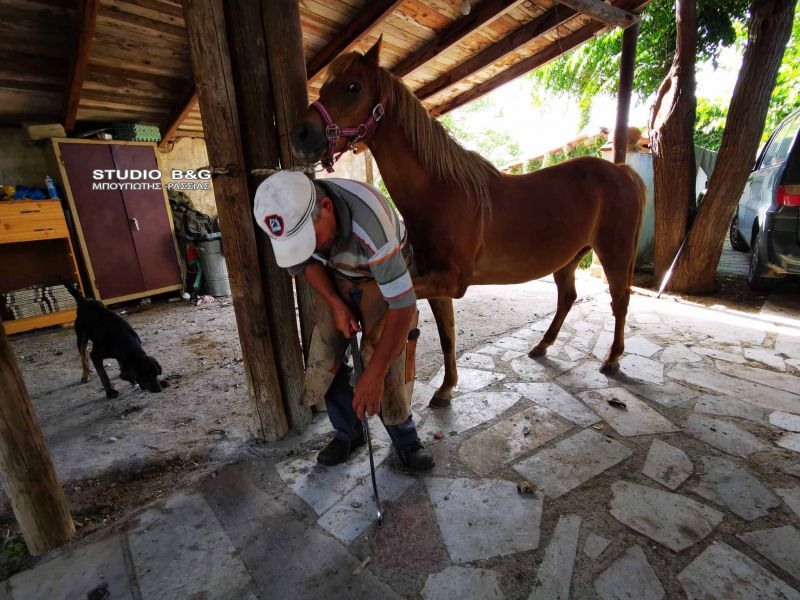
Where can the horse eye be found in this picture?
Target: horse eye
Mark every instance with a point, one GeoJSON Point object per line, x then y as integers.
{"type": "Point", "coordinates": [354, 87]}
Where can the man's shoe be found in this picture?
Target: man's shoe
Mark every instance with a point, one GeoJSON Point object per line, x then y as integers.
{"type": "Point", "coordinates": [338, 451]}
{"type": "Point", "coordinates": [416, 457]}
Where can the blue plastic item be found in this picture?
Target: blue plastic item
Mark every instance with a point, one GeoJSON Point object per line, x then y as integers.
{"type": "Point", "coordinates": [51, 187]}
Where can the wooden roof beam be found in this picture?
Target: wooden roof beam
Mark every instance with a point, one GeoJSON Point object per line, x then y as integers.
{"type": "Point", "coordinates": [551, 52]}
{"type": "Point", "coordinates": [177, 119]}
{"type": "Point", "coordinates": [605, 13]}
{"type": "Point", "coordinates": [370, 17]}
{"type": "Point", "coordinates": [80, 63]}
{"type": "Point", "coordinates": [540, 25]}
{"type": "Point", "coordinates": [486, 12]}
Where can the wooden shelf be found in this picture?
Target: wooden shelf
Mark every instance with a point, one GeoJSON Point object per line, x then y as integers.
{"type": "Point", "coordinates": [62, 317]}
{"type": "Point", "coordinates": [35, 243]}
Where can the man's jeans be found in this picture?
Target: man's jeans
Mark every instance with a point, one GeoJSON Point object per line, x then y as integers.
{"type": "Point", "coordinates": [339, 402]}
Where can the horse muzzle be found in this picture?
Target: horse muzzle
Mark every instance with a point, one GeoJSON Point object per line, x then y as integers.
{"type": "Point", "coordinates": [308, 141]}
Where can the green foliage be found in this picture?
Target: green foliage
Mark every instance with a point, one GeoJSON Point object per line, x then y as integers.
{"type": "Point", "coordinates": [710, 123]}
{"type": "Point", "coordinates": [587, 148]}
{"type": "Point", "coordinates": [533, 165]}
{"type": "Point", "coordinates": [13, 550]}
{"type": "Point", "coordinates": [593, 68]}
{"type": "Point", "coordinates": [586, 261]}
{"type": "Point", "coordinates": [496, 145]}
{"type": "Point", "coordinates": [382, 187]}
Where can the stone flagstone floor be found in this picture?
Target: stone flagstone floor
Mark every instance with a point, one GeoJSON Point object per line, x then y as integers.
{"type": "Point", "coordinates": [692, 490]}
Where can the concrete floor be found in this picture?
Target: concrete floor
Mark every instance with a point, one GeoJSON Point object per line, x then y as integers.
{"type": "Point", "coordinates": [688, 490]}
{"type": "Point", "coordinates": [205, 411]}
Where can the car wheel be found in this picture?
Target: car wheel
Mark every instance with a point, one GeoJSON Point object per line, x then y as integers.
{"type": "Point", "coordinates": [756, 275]}
{"type": "Point", "coordinates": [737, 241]}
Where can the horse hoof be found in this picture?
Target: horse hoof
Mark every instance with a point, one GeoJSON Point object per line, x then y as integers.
{"type": "Point", "coordinates": [610, 368]}
{"type": "Point", "coordinates": [538, 351]}
{"type": "Point", "coordinates": [439, 402]}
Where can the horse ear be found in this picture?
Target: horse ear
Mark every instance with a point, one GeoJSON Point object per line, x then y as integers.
{"type": "Point", "coordinates": [373, 54]}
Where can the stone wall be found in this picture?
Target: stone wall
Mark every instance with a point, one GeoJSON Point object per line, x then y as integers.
{"type": "Point", "coordinates": [22, 162]}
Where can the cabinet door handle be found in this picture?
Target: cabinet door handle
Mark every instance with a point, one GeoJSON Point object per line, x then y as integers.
{"type": "Point", "coordinates": [134, 223]}
{"type": "Point", "coordinates": [33, 210]}
{"type": "Point", "coordinates": [44, 229]}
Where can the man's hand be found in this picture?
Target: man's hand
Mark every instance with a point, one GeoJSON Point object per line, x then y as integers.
{"type": "Point", "coordinates": [368, 394]}
{"type": "Point", "coordinates": [344, 318]}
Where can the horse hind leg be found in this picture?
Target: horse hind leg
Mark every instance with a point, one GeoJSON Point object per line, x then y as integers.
{"type": "Point", "coordinates": [618, 271]}
{"type": "Point", "coordinates": [565, 284]}
{"type": "Point", "coordinates": [444, 314]}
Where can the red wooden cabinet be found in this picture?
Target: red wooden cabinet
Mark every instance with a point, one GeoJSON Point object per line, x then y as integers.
{"type": "Point", "coordinates": [125, 234]}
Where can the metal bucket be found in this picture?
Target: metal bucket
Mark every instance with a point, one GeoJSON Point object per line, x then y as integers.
{"type": "Point", "coordinates": [215, 271]}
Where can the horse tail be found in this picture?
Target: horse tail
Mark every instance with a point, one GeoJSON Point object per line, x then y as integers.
{"type": "Point", "coordinates": [641, 197]}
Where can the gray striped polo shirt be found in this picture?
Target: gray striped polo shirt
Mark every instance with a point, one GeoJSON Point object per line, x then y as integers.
{"type": "Point", "coordinates": [369, 240]}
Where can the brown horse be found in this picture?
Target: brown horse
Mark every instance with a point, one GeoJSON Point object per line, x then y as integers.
{"type": "Point", "coordinates": [468, 223]}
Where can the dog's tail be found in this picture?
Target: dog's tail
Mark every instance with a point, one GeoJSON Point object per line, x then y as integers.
{"type": "Point", "coordinates": [74, 290]}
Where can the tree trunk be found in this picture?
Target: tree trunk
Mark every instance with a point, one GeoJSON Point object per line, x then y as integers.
{"type": "Point", "coordinates": [769, 31]}
{"type": "Point", "coordinates": [672, 139]}
{"type": "Point", "coordinates": [28, 475]}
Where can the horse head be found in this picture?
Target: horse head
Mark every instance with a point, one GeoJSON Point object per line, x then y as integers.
{"type": "Point", "coordinates": [348, 109]}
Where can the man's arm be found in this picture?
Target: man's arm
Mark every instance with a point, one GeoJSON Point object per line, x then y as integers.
{"type": "Point", "coordinates": [322, 283]}
{"type": "Point", "coordinates": [369, 390]}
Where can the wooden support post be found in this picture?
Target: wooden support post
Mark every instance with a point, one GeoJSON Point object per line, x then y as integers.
{"type": "Point", "coordinates": [29, 477]}
{"type": "Point", "coordinates": [284, 36]}
{"type": "Point", "coordinates": [80, 62]}
{"type": "Point", "coordinates": [206, 31]}
{"type": "Point", "coordinates": [254, 94]}
{"type": "Point", "coordinates": [626, 68]}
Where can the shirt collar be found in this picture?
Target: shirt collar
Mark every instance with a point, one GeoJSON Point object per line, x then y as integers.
{"type": "Point", "coordinates": [344, 218]}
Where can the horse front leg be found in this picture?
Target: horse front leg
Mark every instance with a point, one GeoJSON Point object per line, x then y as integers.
{"type": "Point", "coordinates": [444, 314]}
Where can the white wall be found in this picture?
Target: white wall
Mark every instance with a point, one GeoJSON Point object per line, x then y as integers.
{"type": "Point", "coordinates": [190, 153]}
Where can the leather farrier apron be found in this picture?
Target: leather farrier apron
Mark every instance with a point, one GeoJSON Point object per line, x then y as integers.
{"type": "Point", "coordinates": [328, 348]}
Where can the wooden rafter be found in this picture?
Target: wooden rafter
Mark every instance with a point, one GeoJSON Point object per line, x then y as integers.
{"type": "Point", "coordinates": [539, 26]}
{"type": "Point", "coordinates": [552, 52]}
{"type": "Point", "coordinates": [370, 17]}
{"type": "Point", "coordinates": [87, 23]}
{"type": "Point", "coordinates": [177, 118]}
{"type": "Point", "coordinates": [535, 61]}
{"type": "Point", "coordinates": [600, 11]}
{"type": "Point", "coordinates": [485, 13]}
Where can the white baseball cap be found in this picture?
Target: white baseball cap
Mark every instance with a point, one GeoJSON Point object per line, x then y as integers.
{"type": "Point", "coordinates": [283, 205]}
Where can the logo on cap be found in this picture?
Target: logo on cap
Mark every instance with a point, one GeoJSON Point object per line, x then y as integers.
{"type": "Point", "coordinates": [275, 224]}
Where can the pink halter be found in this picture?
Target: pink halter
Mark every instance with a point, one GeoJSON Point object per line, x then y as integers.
{"type": "Point", "coordinates": [333, 132]}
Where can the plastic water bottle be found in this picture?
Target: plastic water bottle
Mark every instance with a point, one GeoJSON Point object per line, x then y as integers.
{"type": "Point", "coordinates": [51, 187]}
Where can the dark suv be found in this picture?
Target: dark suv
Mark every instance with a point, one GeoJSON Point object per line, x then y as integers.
{"type": "Point", "coordinates": [767, 220]}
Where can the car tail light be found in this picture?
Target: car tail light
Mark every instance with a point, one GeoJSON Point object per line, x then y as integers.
{"type": "Point", "coordinates": [788, 195]}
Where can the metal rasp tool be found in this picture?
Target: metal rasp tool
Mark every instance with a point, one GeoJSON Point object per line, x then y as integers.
{"type": "Point", "coordinates": [358, 367]}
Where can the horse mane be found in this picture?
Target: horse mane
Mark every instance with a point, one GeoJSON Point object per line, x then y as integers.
{"type": "Point", "coordinates": [442, 156]}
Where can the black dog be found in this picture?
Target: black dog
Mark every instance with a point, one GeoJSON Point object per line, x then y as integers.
{"type": "Point", "coordinates": [112, 337]}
